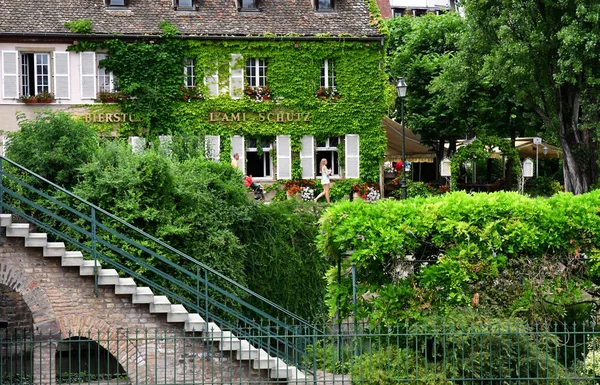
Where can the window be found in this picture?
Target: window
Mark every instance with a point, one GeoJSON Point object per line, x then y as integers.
{"type": "Point", "coordinates": [325, 5]}
{"type": "Point", "coordinates": [106, 79]}
{"type": "Point", "coordinates": [35, 73]}
{"type": "Point", "coordinates": [248, 5]}
{"type": "Point", "coordinates": [188, 73]}
{"type": "Point", "coordinates": [327, 74]}
{"type": "Point", "coordinates": [116, 3]}
{"type": "Point", "coordinates": [184, 4]}
{"type": "Point", "coordinates": [328, 149]}
{"type": "Point", "coordinates": [258, 163]}
{"type": "Point", "coordinates": [256, 72]}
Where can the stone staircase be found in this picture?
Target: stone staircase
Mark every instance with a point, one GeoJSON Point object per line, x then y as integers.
{"type": "Point", "coordinates": [258, 359]}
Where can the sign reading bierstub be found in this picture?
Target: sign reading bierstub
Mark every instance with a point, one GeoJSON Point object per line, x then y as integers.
{"type": "Point", "coordinates": [278, 117]}
{"type": "Point", "coordinates": [116, 117]}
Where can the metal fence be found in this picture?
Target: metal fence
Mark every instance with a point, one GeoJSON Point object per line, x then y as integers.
{"type": "Point", "coordinates": [493, 353]}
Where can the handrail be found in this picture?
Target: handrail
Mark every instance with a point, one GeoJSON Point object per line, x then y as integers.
{"type": "Point", "coordinates": [161, 243]}
{"type": "Point", "coordinates": [90, 237]}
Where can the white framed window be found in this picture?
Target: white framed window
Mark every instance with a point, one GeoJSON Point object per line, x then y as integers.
{"type": "Point", "coordinates": [259, 163]}
{"type": "Point", "coordinates": [328, 73]}
{"type": "Point", "coordinates": [256, 72]}
{"type": "Point", "coordinates": [188, 73]}
{"type": "Point", "coordinates": [328, 149]}
{"type": "Point", "coordinates": [106, 79]}
{"type": "Point", "coordinates": [35, 73]}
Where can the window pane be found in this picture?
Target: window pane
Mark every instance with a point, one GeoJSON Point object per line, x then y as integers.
{"type": "Point", "coordinates": [334, 141]}
{"type": "Point", "coordinates": [185, 3]}
{"type": "Point", "coordinates": [117, 2]}
{"type": "Point", "coordinates": [26, 74]}
{"type": "Point", "coordinates": [188, 71]}
{"type": "Point", "coordinates": [252, 143]}
{"type": "Point", "coordinates": [251, 72]}
{"type": "Point", "coordinates": [262, 72]}
{"type": "Point", "coordinates": [248, 4]}
{"type": "Point", "coordinates": [324, 74]}
{"type": "Point", "coordinates": [325, 4]}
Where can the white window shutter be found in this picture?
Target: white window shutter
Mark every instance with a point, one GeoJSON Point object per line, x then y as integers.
{"type": "Point", "coordinates": [138, 144]}
{"type": "Point", "coordinates": [10, 74]}
{"type": "Point", "coordinates": [62, 88]}
{"type": "Point", "coordinates": [237, 147]}
{"type": "Point", "coordinates": [87, 65]}
{"type": "Point", "coordinates": [5, 141]}
{"type": "Point", "coordinates": [236, 77]}
{"type": "Point", "coordinates": [212, 147]}
{"type": "Point", "coordinates": [307, 157]}
{"type": "Point", "coordinates": [352, 156]}
{"type": "Point", "coordinates": [165, 144]}
{"type": "Point", "coordinates": [284, 157]}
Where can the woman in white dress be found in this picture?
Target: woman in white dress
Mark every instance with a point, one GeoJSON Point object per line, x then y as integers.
{"type": "Point", "coordinates": [325, 173]}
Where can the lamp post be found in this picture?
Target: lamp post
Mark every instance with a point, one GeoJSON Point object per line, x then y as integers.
{"type": "Point", "coordinates": [401, 89]}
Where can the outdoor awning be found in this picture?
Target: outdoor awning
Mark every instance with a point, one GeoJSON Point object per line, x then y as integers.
{"type": "Point", "coordinates": [415, 151]}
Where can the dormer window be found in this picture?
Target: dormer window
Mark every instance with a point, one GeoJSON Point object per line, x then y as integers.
{"type": "Point", "coordinates": [248, 5]}
{"type": "Point", "coordinates": [116, 3]}
{"type": "Point", "coordinates": [325, 5]}
{"type": "Point", "coordinates": [184, 5]}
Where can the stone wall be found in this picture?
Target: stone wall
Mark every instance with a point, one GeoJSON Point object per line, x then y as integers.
{"type": "Point", "coordinates": [62, 305]}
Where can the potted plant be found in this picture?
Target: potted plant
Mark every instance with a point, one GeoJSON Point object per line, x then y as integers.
{"type": "Point", "coordinates": [361, 190]}
{"type": "Point", "coordinates": [28, 99]}
{"type": "Point", "coordinates": [264, 93]}
{"type": "Point", "coordinates": [45, 97]}
{"type": "Point", "coordinates": [388, 170]}
{"type": "Point", "coordinates": [322, 93]}
{"type": "Point", "coordinates": [190, 93]}
{"type": "Point", "coordinates": [111, 96]}
{"type": "Point", "coordinates": [292, 188]}
{"type": "Point", "coordinates": [251, 92]}
{"type": "Point", "coordinates": [334, 93]}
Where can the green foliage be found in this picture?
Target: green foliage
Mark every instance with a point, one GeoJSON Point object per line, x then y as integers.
{"type": "Point", "coordinates": [278, 243]}
{"type": "Point", "coordinates": [79, 26]}
{"type": "Point", "coordinates": [53, 146]}
{"type": "Point", "coordinates": [433, 255]}
{"type": "Point", "coordinates": [341, 188]}
{"type": "Point", "coordinates": [543, 186]}
{"type": "Point", "coordinates": [151, 74]}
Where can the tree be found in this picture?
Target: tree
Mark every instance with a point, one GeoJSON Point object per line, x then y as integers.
{"type": "Point", "coordinates": [54, 146]}
{"type": "Point", "coordinates": [544, 52]}
{"type": "Point", "coordinates": [419, 48]}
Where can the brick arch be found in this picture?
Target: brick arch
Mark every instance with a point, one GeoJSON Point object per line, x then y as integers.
{"type": "Point", "coordinates": [112, 339]}
{"type": "Point", "coordinates": [33, 295]}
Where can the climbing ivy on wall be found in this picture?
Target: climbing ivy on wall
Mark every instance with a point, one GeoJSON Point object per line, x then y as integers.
{"type": "Point", "coordinates": [151, 73]}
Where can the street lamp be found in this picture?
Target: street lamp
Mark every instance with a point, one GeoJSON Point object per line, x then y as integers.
{"type": "Point", "coordinates": [401, 89]}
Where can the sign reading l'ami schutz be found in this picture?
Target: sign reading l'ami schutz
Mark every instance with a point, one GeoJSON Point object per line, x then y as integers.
{"type": "Point", "coordinates": [277, 117]}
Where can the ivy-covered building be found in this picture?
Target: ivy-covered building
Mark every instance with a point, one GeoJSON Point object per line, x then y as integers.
{"type": "Point", "coordinates": [282, 83]}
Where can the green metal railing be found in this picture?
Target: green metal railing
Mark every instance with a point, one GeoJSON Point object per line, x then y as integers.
{"type": "Point", "coordinates": [107, 239]}
{"type": "Point", "coordinates": [483, 354]}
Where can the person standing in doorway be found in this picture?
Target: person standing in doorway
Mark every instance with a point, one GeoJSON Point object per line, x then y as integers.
{"type": "Point", "coordinates": [325, 173]}
{"type": "Point", "coordinates": [234, 161]}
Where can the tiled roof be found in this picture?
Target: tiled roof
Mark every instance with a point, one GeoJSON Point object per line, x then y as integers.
{"type": "Point", "coordinates": [213, 17]}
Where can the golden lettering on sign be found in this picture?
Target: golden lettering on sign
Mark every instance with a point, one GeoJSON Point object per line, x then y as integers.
{"type": "Point", "coordinates": [111, 118]}
{"type": "Point", "coordinates": [277, 117]}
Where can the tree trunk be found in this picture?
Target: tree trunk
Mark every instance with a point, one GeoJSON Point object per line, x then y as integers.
{"type": "Point", "coordinates": [580, 156]}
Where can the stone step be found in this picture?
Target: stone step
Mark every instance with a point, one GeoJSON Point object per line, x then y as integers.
{"type": "Point", "coordinates": [213, 332]}
{"type": "Point", "coordinates": [195, 323]}
{"type": "Point", "coordinates": [142, 295]}
{"type": "Point", "coordinates": [264, 361]}
{"type": "Point", "coordinates": [280, 370]}
{"type": "Point", "coordinates": [54, 249]}
{"type": "Point", "coordinates": [177, 314]}
{"type": "Point", "coordinates": [72, 258]}
{"type": "Point", "coordinates": [5, 220]}
{"type": "Point", "coordinates": [36, 240]}
{"type": "Point", "coordinates": [87, 267]}
{"type": "Point", "coordinates": [108, 277]}
{"type": "Point", "coordinates": [228, 341]}
{"type": "Point", "coordinates": [125, 286]}
{"type": "Point", "coordinates": [17, 230]}
{"type": "Point", "coordinates": [160, 304]}
{"type": "Point", "coordinates": [247, 351]}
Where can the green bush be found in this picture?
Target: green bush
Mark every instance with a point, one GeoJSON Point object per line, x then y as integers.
{"type": "Point", "coordinates": [501, 253]}
{"type": "Point", "coordinates": [53, 145]}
